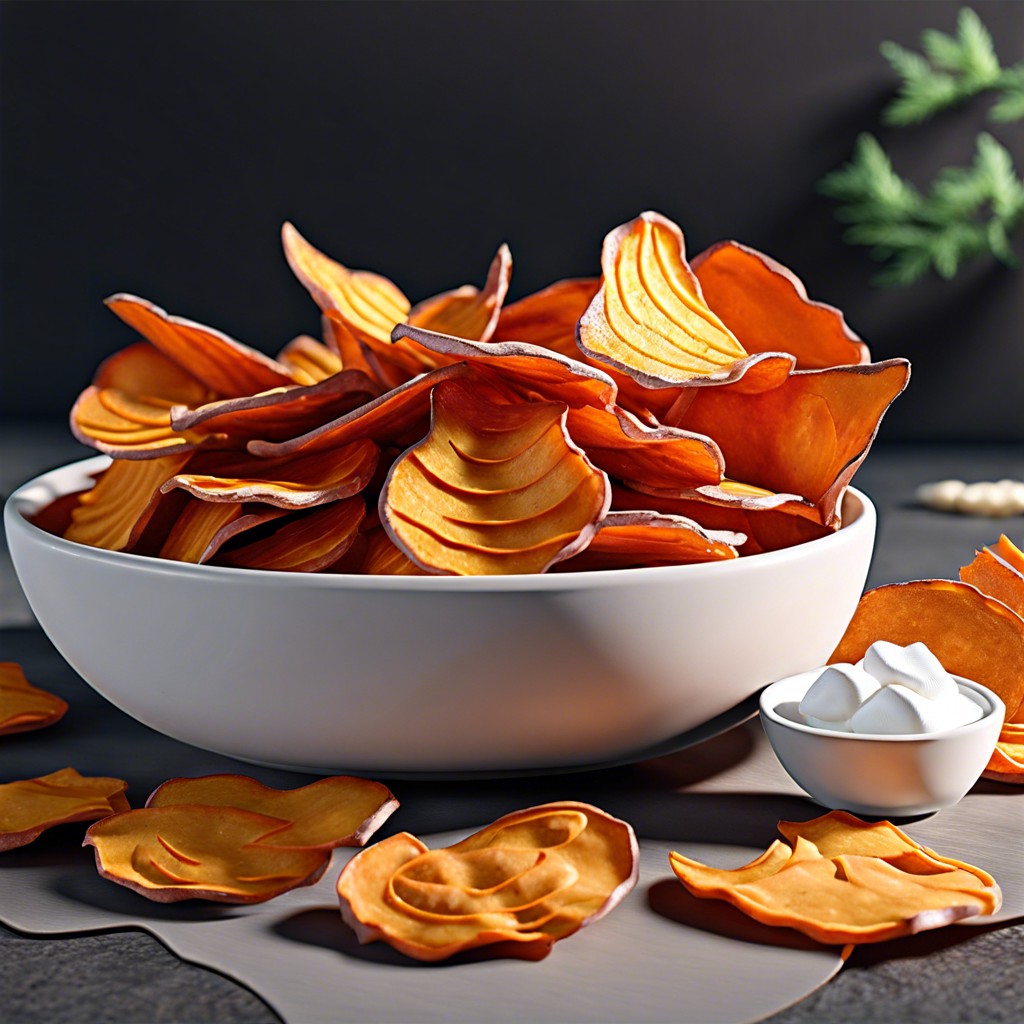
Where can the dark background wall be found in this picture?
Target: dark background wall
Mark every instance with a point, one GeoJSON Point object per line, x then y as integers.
{"type": "Point", "coordinates": [157, 147]}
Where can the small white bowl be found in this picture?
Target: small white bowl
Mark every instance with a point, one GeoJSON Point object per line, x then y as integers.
{"type": "Point", "coordinates": [412, 674]}
{"type": "Point", "coordinates": [880, 775]}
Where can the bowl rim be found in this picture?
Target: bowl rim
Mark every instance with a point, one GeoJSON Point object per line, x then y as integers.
{"type": "Point", "coordinates": [768, 705]}
{"type": "Point", "coordinates": [67, 478]}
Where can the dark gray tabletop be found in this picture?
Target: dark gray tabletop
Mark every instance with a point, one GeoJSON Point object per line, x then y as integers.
{"type": "Point", "coordinates": [951, 975]}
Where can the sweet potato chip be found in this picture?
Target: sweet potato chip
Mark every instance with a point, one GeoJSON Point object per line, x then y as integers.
{"type": "Point", "coordinates": [115, 511]}
{"type": "Point", "coordinates": [202, 528]}
{"type": "Point", "coordinates": [666, 457]}
{"type": "Point", "coordinates": [309, 361]}
{"type": "Point", "coordinates": [127, 410]}
{"type": "Point", "coordinates": [279, 414]}
{"type": "Point", "coordinates": [383, 558]}
{"type": "Point", "coordinates": [972, 635]}
{"type": "Point", "coordinates": [548, 318]}
{"type": "Point", "coordinates": [998, 572]}
{"type": "Point", "coordinates": [369, 302]}
{"type": "Point", "coordinates": [629, 539]}
{"type": "Point", "coordinates": [304, 541]}
{"type": "Point", "coordinates": [338, 811]}
{"type": "Point", "coordinates": [468, 312]}
{"type": "Point", "coordinates": [534, 373]}
{"type": "Point", "coordinates": [766, 307]}
{"type": "Point", "coordinates": [224, 365]}
{"type": "Point", "coordinates": [649, 318]}
{"type": "Point", "coordinates": [299, 482]}
{"type": "Point", "coordinates": [815, 428]}
{"type": "Point", "coordinates": [24, 707]}
{"type": "Point", "coordinates": [188, 851]}
{"type": "Point", "coordinates": [842, 880]}
{"type": "Point", "coordinates": [397, 417]}
{"type": "Point", "coordinates": [30, 806]}
{"type": "Point", "coordinates": [529, 879]}
{"type": "Point", "coordinates": [1007, 761]}
{"type": "Point", "coordinates": [492, 489]}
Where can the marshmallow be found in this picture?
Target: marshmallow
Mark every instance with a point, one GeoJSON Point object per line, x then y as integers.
{"type": "Point", "coordinates": [898, 710]}
{"type": "Point", "coordinates": [914, 667]}
{"type": "Point", "coordinates": [837, 693]}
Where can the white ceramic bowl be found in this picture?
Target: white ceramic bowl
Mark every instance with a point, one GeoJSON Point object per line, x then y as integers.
{"type": "Point", "coordinates": [880, 775]}
{"type": "Point", "coordinates": [432, 674]}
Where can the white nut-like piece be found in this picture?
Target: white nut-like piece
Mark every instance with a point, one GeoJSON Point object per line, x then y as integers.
{"type": "Point", "coordinates": [984, 498]}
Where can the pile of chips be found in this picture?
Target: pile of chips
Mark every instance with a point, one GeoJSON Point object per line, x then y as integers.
{"type": "Point", "coordinates": [974, 626]}
{"type": "Point", "coordinates": [841, 880]}
{"type": "Point", "coordinates": [667, 412]}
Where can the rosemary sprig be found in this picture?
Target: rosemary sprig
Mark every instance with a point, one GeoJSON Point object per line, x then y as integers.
{"type": "Point", "coordinates": [950, 70]}
{"type": "Point", "coordinates": [967, 211]}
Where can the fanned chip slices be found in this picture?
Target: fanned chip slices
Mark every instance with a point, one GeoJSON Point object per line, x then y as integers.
{"type": "Point", "coordinates": [192, 851]}
{"type": "Point", "coordinates": [972, 635]}
{"type": "Point", "coordinates": [113, 514]}
{"type": "Point", "coordinates": [202, 528]}
{"type": "Point", "coordinates": [369, 302]}
{"type": "Point", "coordinates": [340, 810]}
{"type": "Point", "coordinates": [649, 318]}
{"type": "Point", "coordinates": [842, 880]}
{"type": "Point", "coordinates": [24, 707]}
{"type": "Point", "coordinates": [126, 411]}
{"type": "Point", "coordinates": [492, 489]}
{"type": "Point", "coordinates": [766, 307]}
{"type": "Point", "coordinates": [30, 806]}
{"type": "Point", "coordinates": [529, 879]}
{"type": "Point", "coordinates": [999, 572]}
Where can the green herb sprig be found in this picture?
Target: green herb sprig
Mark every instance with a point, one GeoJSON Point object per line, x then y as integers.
{"type": "Point", "coordinates": [966, 212]}
{"type": "Point", "coordinates": [952, 69]}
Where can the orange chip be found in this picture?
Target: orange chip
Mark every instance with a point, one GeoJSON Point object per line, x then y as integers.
{"type": "Point", "coordinates": [630, 539]}
{"type": "Point", "coordinates": [383, 558]}
{"type": "Point", "coordinates": [309, 361]}
{"type": "Point", "coordinates": [766, 307]}
{"type": "Point", "coordinates": [24, 707]}
{"type": "Point", "coordinates": [972, 635]}
{"type": "Point", "coordinates": [842, 880]}
{"type": "Point", "coordinates": [999, 573]}
{"type": "Point", "coordinates": [187, 851]}
{"type": "Point", "coordinates": [202, 528]}
{"type": "Point", "coordinates": [649, 318]}
{"type": "Point", "coordinates": [224, 365]}
{"type": "Point", "coordinates": [113, 514]}
{"type": "Point", "coordinates": [529, 879]}
{"type": "Point", "coordinates": [338, 811]}
{"type": "Point", "coordinates": [279, 414]}
{"type": "Point", "coordinates": [468, 312]}
{"type": "Point", "coordinates": [548, 318]}
{"type": "Point", "coordinates": [369, 302]}
{"type": "Point", "coordinates": [127, 410]}
{"type": "Point", "coordinates": [815, 429]}
{"type": "Point", "coordinates": [30, 806]}
{"type": "Point", "coordinates": [306, 541]}
{"type": "Point", "coordinates": [395, 417]}
{"type": "Point", "coordinates": [532, 372]}
{"type": "Point", "coordinates": [492, 488]}
{"type": "Point", "coordinates": [666, 457]}
{"type": "Point", "coordinates": [299, 482]}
